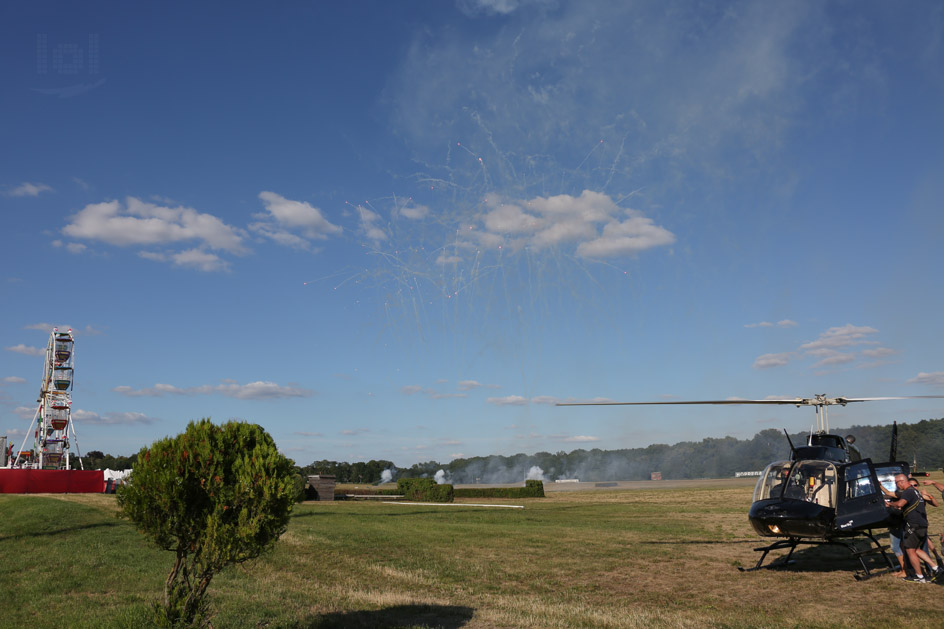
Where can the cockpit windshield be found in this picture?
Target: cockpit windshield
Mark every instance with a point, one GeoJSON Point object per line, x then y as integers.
{"type": "Point", "coordinates": [772, 480]}
{"type": "Point", "coordinates": [812, 481]}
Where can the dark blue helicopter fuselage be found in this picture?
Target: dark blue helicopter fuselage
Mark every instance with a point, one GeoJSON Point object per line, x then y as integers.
{"type": "Point", "coordinates": [792, 518]}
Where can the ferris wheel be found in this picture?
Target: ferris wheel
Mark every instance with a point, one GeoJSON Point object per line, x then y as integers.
{"type": "Point", "coordinates": [53, 418]}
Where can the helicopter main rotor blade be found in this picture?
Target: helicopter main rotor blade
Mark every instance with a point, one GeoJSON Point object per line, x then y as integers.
{"type": "Point", "coordinates": [796, 401]}
{"type": "Point", "coordinates": [815, 401]}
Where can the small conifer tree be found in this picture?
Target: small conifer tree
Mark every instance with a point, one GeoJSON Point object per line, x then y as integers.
{"type": "Point", "coordinates": [214, 495]}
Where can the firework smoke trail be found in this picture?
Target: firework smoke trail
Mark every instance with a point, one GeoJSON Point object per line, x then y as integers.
{"type": "Point", "coordinates": [473, 270]}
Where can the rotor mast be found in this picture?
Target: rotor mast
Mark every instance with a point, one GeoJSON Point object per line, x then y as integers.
{"type": "Point", "coordinates": [820, 401]}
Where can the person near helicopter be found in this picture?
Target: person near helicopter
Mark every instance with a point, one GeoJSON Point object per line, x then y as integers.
{"type": "Point", "coordinates": [895, 530]}
{"type": "Point", "coordinates": [938, 486]}
{"type": "Point", "coordinates": [915, 530]}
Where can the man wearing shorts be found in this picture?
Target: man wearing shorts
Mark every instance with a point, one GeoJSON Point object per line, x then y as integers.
{"type": "Point", "coordinates": [915, 530]}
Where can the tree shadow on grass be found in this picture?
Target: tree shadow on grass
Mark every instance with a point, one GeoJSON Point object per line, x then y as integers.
{"type": "Point", "coordinates": [56, 532]}
{"type": "Point", "coordinates": [395, 617]}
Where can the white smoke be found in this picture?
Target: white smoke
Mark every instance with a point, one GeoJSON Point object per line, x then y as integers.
{"type": "Point", "coordinates": [535, 473]}
{"type": "Point", "coordinates": [440, 477]}
{"type": "Point", "coordinates": [386, 476]}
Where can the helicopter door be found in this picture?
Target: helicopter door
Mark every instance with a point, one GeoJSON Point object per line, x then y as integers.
{"type": "Point", "coordinates": [861, 503]}
{"type": "Point", "coordinates": [886, 473]}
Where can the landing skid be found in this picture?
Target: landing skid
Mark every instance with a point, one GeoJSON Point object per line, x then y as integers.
{"type": "Point", "coordinates": [793, 542]}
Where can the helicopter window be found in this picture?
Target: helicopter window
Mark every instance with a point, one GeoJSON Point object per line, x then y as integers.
{"type": "Point", "coordinates": [829, 441]}
{"type": "Point", "coordinates": [886, 475]}
{"type": "Point", "coordinates": [858, 481]}
{"type": "Point", "coordinates": [813, 481]}
{"type": "Point", "coordinates": [772, 482]}
{"type": "Point", "coordinates": [821, 452]}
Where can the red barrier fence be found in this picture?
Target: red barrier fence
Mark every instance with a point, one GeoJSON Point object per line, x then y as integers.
{"type": "Point", "coordinates": [52, 481]}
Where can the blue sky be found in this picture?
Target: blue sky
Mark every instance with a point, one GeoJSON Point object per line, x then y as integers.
{"type": "Point", "coordinates": [403, 230]}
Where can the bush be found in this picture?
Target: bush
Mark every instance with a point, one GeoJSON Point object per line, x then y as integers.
{"type": "Point", "coordinates": [301, 487]}
{"type": "Point", "coordinates": [531, 489]}
{"type": "Point", "coordinates": [424, 490]}
{"type": "Point", "coordinates": [366, 491]}
{"type": "Point", "coordinates": [214, 495]}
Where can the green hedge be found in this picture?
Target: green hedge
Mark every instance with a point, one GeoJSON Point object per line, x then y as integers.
{"type": "Point", "coordinates": [531, 489]}
{"type": "Point", "coordinates": [424, 490]}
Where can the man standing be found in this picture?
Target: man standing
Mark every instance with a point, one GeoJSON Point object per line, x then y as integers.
{"type": "Point", "coordinates": [915, 530]}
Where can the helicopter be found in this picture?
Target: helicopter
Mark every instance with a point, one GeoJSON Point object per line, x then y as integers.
{"type": "Point", "coordinates": [825, 493]}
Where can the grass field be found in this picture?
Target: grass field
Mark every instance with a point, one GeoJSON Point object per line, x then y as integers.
{"type": "Point", "coordinates": [603, 558]}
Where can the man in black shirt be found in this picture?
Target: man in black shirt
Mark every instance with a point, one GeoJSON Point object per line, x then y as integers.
{"type": "Point", "coordinates": [916, 528]}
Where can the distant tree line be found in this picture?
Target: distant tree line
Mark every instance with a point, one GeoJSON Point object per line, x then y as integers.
{"type": "Point", "coordinates": [709, 458]}
{"type": "Point", "coordinates": [97, 460]}
{"type": "Point", "coordinates": [357, 472]}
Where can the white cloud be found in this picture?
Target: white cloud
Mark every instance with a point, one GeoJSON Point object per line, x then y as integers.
{"type": "Point", "coordinates": [845, 336]}
{"type": "Point", "coordinates": [259, 390]}
{"type": "Point", "coordinates": [785, 323]}
{"type": "Point", "coordinates": [25, 412]}
{"type": "Point", "coordinates": [489, 7]}
{"type": "Point", "coordinates": [286, 217]}
{"type": "Point", "coordinates": [112, 419]}
{"type": "Point", "coordinates": [139, 223]}
{"type": "Point", "coordinates": [193, 258]}
{"type": "Point", "coordinates": [836, 358]}
{"type": "Point", "coordinates": [436, 395]}
{"type": "Point", "coordinates": [27, 189]}
{"type": "Point", "coordinates": [509, 219]}
{"type": "Point", "coordinates": [45, 327]}
{"type": "Point", "coordinates": [767, 361]}
{"type": "Point", "coordinates": [599, 227]}
{"type": "Point", "coordinates": [27, 350]}
{"type": "Point", "coordinates": [13, 380]}
{"type": "Point", "coordinates": [836, 346]}
{"type": "Point", "coordinates": [934, 379]}
{"type": "Point", "coordinates": [48, 327]}
{"type": "Point", "coordinates": [281, 236]}
{"type": "Point", "coordinates": [433, 394]}
{"type": "Point", "coordinates": [626, 238]}
{"type": "Point", "coordinates": [546, 399]}
{"type": "Point", "coordinates": [508, 400]}
{"type": "Point", "coordinates": [411, 210]}
{"type": "Point", "coordinates": [580, 439]}
{"type": "Point", "coordinates": [368, 224]}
